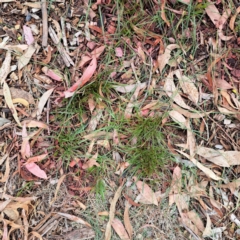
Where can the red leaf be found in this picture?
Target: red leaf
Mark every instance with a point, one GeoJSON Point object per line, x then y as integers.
{"type": "Point", "coordinates": [88, 73]}
{"type": "Point", "coordinates": [36, 170]}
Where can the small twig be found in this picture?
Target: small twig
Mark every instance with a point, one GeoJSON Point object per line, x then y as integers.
{"type": "Point", "coordinates": [45, 24]}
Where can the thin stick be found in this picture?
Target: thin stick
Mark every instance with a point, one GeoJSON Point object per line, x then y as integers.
{"type": "Point", "coordinates": [45, 24]}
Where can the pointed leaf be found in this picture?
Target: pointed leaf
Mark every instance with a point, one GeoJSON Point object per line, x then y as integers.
{"type": "Point", "coordinates": [119, 229]}
{"type": "Point", "coordinates": [43, 101]}
{"type": "Point", "coordinates": [147, 193]}
{"type": "Point", "coordinates": [88, 73]}
{"type": "Point", "coordinates": [36, 170]}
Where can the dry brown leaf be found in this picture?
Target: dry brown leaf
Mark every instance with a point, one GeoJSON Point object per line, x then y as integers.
{"type": "Point", "coordinates": [8, 99]}
{"type": "Point", "coordinates": [19, 93]}
{"type": "Point", "coordinates": [36, 158]}
{"type": "Point", "coordinates": [213, 14]}
{"type": "Point", "coordinates": [227, 97]}
{"type": "Point", "coordinates": [176, 185]}
{"type": "Point", "coordinates": [178, 118]}
{"type": "Point", "coordinates": [13, 214]}
{"type": "Point", "coordinates": [223, 37]}
{"type": "Point", "coordinates": [74, 219]}
{"type": "Point", "coordinates": [233, 18]}
{"type": "Point", "coordinates": [22, 101]}
{"type": "Point", "coordinates": [222, 84]}
{"type": "Point", "coordinates": [130, 105]}
{"type": "Point", "coordinates": [126, 220]}
{"type": "Point", "coordinates": [194, 217]}
{"type": "Point", "coordinates": [182, 202]}
{"type": "Point", "coordinates": [119, 229]}
{"type": "Point", "coordinates": [213, 155]}
{"type": "Point", "coordinates": [221, 158]}
{"type": "Point", "coordinates": [33, 4]}
{"type": "Point", "coordinates": [104, 143]}
{"type": "Point", "coordinates": [91, 162]}
{"type": "Point", "coordinates": [129, 88]}
{"type": "Point", "coordinates": [80, 234]}
{"type": "Point", "coordinates": [112, 212]}
{"type": "Point", "coordinates": [208, 231]}
{"type": "Point", "coordinates": [34, 124]}
{"type": "Point", "coordinates": [172, 91]}
{"type": "Point", "coordinates": [191, 141]}
{"type": "Point", "coordinates": [146, 193]}
{"type": "Point", "coordinates": [96, 116]}
{"type": "Point", "coordinates": [43, 100]}
{"type": "Point", "coordinates": [91, 103]}
{"type": "Point", "coordinates": [35, 234]}
{"type": "Point", "coordinates": [4, 204]}
{"type": "Point", "coordinates": [187, 113]}
{"type": "Point", "coordinates": [188, 87]}
{"type": "Point", "coordinates": [226, 111]}
{"type": "Point", "coordinates": [232, 186]}
{"type": "Point", "coordinates": [57, 188]}
{"type": "Point", "coordinates": [5, 69]}
{"type": "Point", "coordinates": [26, 57]}
{"type": "Point", "coordinates": [206, 170]}
{"type": "Point", "coordinates": [165, 57]}
{"type": "Point", "coordinates": [163, 15]}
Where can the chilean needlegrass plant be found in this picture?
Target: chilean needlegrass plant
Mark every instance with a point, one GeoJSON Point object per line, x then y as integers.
{"type": "Point", "coordinates": [146, 150]}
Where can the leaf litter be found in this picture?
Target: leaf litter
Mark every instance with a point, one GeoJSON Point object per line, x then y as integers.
{"type": "Point", "coordinates": [72, 90]}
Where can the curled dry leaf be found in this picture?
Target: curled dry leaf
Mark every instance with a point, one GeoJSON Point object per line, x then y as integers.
{"type": "Point", "coordinates": [74, 219]}
{"type": "Point", "coordinates": [188, 87]}
{"type": "Point", "coordinates": [165, 57]}
{"type": "Point", "coordinates": [233, 18]}
{"type": "Point", "coordinates": [43, 101]}
{"type": "Point", "coordinates": [119, 229]}
{"type": "Point", "coordinates": [22, 101]}
{"type": "Point", "coordinates": [206, 170]}
{"type": "Point", "coordinates": [208, 231]}
{"type": "Point", "coordinates": [163, 15]}
{"type": "Point", "coordinates": [26, 57]}
{"type": "Point", "coordinates": [172, 91]}
{"type": "Point", "coordinates": [146, 193]}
